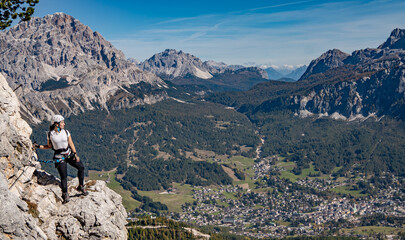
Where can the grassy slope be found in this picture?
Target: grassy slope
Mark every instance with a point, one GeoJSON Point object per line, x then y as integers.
{"type": "Point", "coordinates": [173, 201]}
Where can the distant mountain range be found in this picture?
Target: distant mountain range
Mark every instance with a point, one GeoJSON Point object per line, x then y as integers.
{"type": "Point", "coordinates": [185, 69]}
{"type": "Point", "coordinates": [366, 83]}
{"type": "Point", "coordinates": [285, 74]}
{"type": "Point", "coordinates": [63, 66]}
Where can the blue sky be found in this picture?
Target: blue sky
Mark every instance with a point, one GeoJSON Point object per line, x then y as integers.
{"type": "Point", "coordinates": [248, 32]}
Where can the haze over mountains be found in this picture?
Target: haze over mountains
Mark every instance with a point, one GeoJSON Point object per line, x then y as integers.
{"type": "Point", "coordinates": [285, 73]}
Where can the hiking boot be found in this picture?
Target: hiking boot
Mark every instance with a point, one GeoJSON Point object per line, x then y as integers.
{"type": "Point", "coordinates": [82, 189]}
{"type": "Point", "coordinates": [65, 197]}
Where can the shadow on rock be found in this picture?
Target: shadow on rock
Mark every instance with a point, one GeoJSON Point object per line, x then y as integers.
{"type": "Point", "coordinates": [44, 178]}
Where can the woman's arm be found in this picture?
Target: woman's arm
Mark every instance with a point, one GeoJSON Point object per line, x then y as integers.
{"type": "Point", "coordinates": [72, 146]}
{"type": "Point", "coordinates": [47, 146]}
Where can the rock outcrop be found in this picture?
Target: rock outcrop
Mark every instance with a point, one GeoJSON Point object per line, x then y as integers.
{"type": "Point", "coordinates": [31, 206]}
{"type": "Point", "coordinates": [331, 59]}
{"type": "Point", "coordinates": [395, 41]}
{"type": "Point", "coordinates": [64, 67]}
{"type": "Point", "coordinates": [171, 64]}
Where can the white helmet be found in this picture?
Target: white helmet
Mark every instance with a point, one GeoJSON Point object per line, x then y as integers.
{"type": "Point", "coordinates": [57, 118]}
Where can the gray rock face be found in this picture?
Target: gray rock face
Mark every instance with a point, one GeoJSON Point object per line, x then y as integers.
{"type": "Point", "coordinates": [100, 215]}
{"type": "Point", "coordinates": [31, 206]}
{"type": "Point", "coordinates": [171, 64]}
{"type": "Point", "coordinates": [331, 59]}
{"type": "Point", "coordinates": [15, 221]}
{"type": "Point", "coordinates": [378, 95]}
{"type": "Point", "coordinates": [15, 132]}
{"type": "Point", "coordinates": [395, 41]}
{"type": "Point", "coordinates": [388, 55]}
{"type": "Point", "coordinates": [375, 95]}
{"type": "Point", "coordinates": [65, 67]}
{"type": "Point", "coordinates": [374, 59]}
{"type": "Point", "coordinates": [368, 83]}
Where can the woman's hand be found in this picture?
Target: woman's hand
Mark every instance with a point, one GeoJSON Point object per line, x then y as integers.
{"type": "Point", "coordinates": [77, 158]}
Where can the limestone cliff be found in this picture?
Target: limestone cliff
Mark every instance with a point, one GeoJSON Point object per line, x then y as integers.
{"type": "Point", "coordinates": [368, 83]}
{"type": "Point", "coordinates": [65, 67]}
{"type": "Point", "coordinates": [171, 64]}
{"type": "Point", "coordinates": [31, 207]}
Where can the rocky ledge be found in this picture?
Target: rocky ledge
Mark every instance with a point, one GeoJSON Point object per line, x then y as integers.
{"type": "Point", "coordinates": [31, 207]}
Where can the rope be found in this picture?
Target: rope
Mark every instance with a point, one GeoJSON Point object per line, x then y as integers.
{"type": "Point", "coordinates": [34, 158]}
{"type": "Point", "coordinates": [18, 88]}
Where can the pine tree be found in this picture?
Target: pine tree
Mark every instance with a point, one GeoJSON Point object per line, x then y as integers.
{"type": "Point", "coordinates": [12, 9]}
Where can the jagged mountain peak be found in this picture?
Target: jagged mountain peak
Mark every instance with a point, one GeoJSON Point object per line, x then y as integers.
{"type": "Point", "coordinates": [48, 22]}
{"type": "Point", "coordinates": [58, 32]}
{"type": "Point", "coordinates": [171, 63]}
{"type": "Point", "coordinates": [174, 55]}
{"type": "Point", "coordinates": [220, 66]}
{"type": "Point", "coordinates": [396, 40]}
{"type": "Point", "coordinates": [67, 68]}
{"type": "Point", "coordinates": [331, 59]}
{"type": "Point", "coordinates": [389, 54]}
{"type": "Point", "coordinates": [333, 53]}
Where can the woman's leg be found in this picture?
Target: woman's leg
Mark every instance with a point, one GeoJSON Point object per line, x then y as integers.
{"type": "Point", "coordinates": [62, 169]}
{"type": "Point", "coordinates": [80, 169]}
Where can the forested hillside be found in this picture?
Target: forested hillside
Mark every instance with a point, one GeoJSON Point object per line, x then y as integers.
{"type": "Point", "coordinates": [153, 145]}
{"type": "Point", "coordinates": [349, 116]}
{"type": "Point", "coordinates": [240, 80]}
{"type": "Point", "coordinates": [371, 147]}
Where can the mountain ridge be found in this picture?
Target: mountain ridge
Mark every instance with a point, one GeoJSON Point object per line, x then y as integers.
{"type": "Point", "coordinates": [367, 83]}
{"type": "Point", "coordinates": [171, 64]}
{"type": "Point", "coordinates": [275, 73]}
{"type": "Point", "coordinates": [396, 40]}
{"type": "Point", "coordinates": [330, 59]}
{"type": "Point", "coordinates": [185, 69]}
{"type": "Point", "coordinates": [85, 70]}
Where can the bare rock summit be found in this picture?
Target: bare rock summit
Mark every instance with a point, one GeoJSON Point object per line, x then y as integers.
{"type": "Point", "coordinates": [65, 67]}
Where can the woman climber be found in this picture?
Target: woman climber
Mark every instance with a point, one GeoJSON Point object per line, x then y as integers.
{"type": "Point", "coordinates": [60, 140]}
